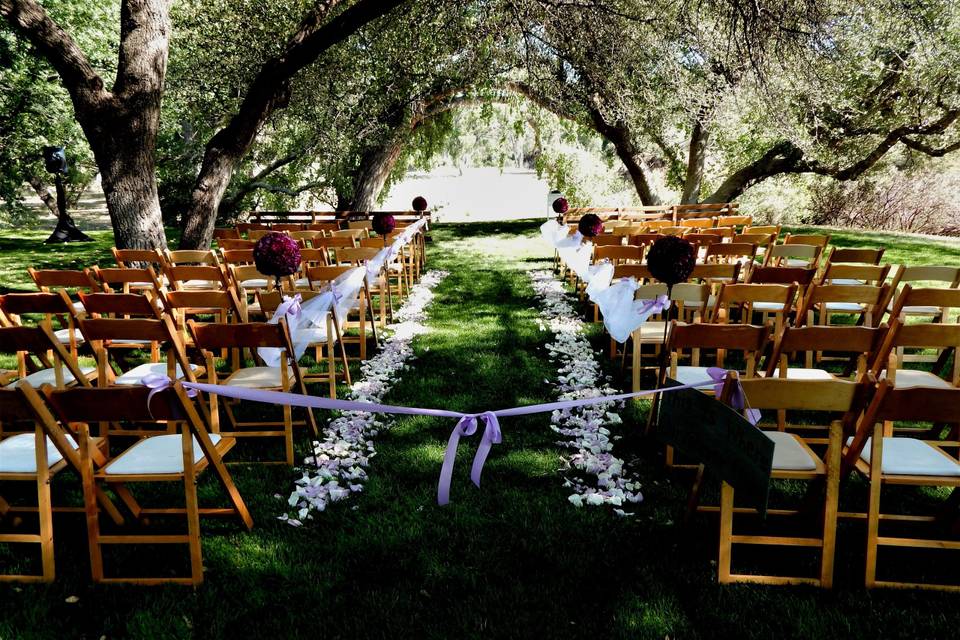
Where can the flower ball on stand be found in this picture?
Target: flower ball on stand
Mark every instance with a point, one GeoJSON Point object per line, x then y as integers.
{"type": "Point", "coordinates": [277, 255]}
{"type": "Point", "coordinates": [560, 207]}
{"type": "Point", "coordinates": [671, 260]}
{"type": "Point", "coordinates": [590, 225]}
{"type": "Point", "coordinates": [419, 204]}
{"type": "Point", "coordinates": [383, 224]}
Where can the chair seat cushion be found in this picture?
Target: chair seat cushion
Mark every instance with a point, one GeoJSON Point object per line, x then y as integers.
{"type": "Point", "coordinates": [767, 306]}
{"type": "Point", "coordinates": [63, 336]}
{"type": "Point", "coordinates": [255, 378]}
{"type": "Point", "coordinates": [919, 310]}
{"type": "Point", "coordinates": [910, 378]}
{"type": "Point", "coordinates": [18, 453]}
{"type": "Point", "coordinates": [200, 285]}
{"type": "Point", "coordinates": [789, 454]}
{"type": "Point", "coordinates": [692, 375]}
{"type": "Point", "coordinates": [797, 262]}
{"type": "Point", "coordinates": [852, 282]}
{"type": "Point", "coordinates": [49, 376]}
{"type": "Point", "coordinates": [136, 374]}
{"type": "Point", "coordinates": [254, 283]}
{"type": "Point", "coordinates": [911, 457]}
{"type": "Point", "coordinates": [844, 307]}
{"type": "Point", "coordinates": [802, 373]}
{"type": "Point", "coordinates": [155, 455]}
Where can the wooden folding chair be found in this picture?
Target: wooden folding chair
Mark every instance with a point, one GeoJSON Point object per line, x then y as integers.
{"type": "Point", "coordinates": [129, 280]}
{"type": "Point", "coordinates": [690, 302]}
{"type": "Point", "coordinates": [607, 240]}
{"type": "Point", "coordinates": [748, 340]}
{"type": "Point", "coordinates": [138, 258]}
{"type": "Point", "coordinates": [618, 254]}
{"type": "Point", "coordinates": [124, 305]}
{"type": "Point", "coordinates": [287, 377]}
{"type": "Point", "coordinates": [775, 299]}
{"type": "Point", "coordinates": [643, 239]}
{"type": "Point", "coordinates": [175, 457]}
{"type": "Point", "coordinates": [904, 461]}
{"type": "Point", "coordinates": [940, 277]}
{"type": "Point", "coordinates": [220, 306]}
{"type": "Point", "coordinates": [236, 256]}
{"type": "Point", "coordinates": [890, 358]}
{"type": "Point", "coordinates": [226, 233]}
{"type": "Point", "coordinates": [697, 223]}
{"type": "Point", "coordinates": [855, 255]}
{"type": "Point", "coordinates": [66, 280]}
{"type": "Point", "coordinates": [320, 278]}
{"type": "Point", "coordinates": [41, 358]}
{"type": "Point", "coordinates": [937, 305]}
{"type": "Point", "coordinates": [734, 221]}
{"type": "Point", "coordinates": [729, 252]}
{"type": "Point", "coordinates": [323, 339]}
{"type": "Point", "coordinates": [247, 281]}
{"type": "Point", "coordinates": [794, 460]}
{"type": "Point", "coordinates": [48, 307]}
{"type": "Point", "coordinates": [196, 277]}
{"type": "Point", "coordinates": [864, 302]}
{"type": "Point", "coordinates": [289, 227]}
{"type": "Point", "coordinates": [33, 456]}
{"type": "Point", "coordinates": [843, 273]}
{"type": "Point", "coordinates": [804, 256]}
{"type": "Point", "coordinates": [764, 228]}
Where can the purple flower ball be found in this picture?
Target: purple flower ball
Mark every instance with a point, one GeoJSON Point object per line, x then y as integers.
{"type": "Point", "coordinates": [277, 255]}
{"type": "Point", "coordinates": [671, 260]}
{"type": "Point", "coordinates": [383, 223]}
{"type": "Point", "coordinates": [419, 203]}
{"type": "Point", "coordinates": [560, 205]}
{"type": "Point", "coordinates": [590, 225]}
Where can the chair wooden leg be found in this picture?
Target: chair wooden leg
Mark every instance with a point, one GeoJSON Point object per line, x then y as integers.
{"type": "Point", "coordinates": [90, 507]}
{"type": "Point", "coordinates": [288, 433]}
{"type": "Point", "coordinates": [726, 533]}
{"type": "Point", "coordinates": [192, 508]}
{"type": "Point", "coordinates": [830, 507]}
{"type": "Point", "coordinates": [873, 509]}
{"type": "Point", "coordinates": [44, 507]}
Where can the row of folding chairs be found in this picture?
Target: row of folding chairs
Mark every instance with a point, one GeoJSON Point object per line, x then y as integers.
{"type": "Point", "coordinates": [859, 414]}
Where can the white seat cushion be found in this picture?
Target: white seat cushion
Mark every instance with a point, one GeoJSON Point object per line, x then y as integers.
{"type": "Point", "coordinates": [78, 307]}
{"type": "Point", "coordinates": [910, 457]}
{"type": "Point", "coordinates": [255, 378]}
{"type": "Point", "coordinates": [136, 374]}
{"type": "Point", "coordinates": [302, 283]}
{"type": "Point", "coordinates": [767, 306]}
{"type": "Point", "coordinates": [155, 455]}
{"type": "Point", "coordinates": [797, 262]}
{"type": "Point", "coordinates": [917, 310]}
{"type": "Point", "coordinates": [692, 375]}
{"type": "Point", "coordinates": [63, 336]}
{"type": "Point", "coordinates": [18, 455]}
{"type": "Point", "coordinates": [49, 376]}
{"type": "Point", "coordinates": [852, 282]}
{"type": "Point", "coordinates": [844, 307]}
{"type": "Point", "coordinates": [254, 283]}
{"type": "Point", "coordinates": [200, 285]}
{"type": "Point", "coordinates": [789, 454]}
{"type": "Point", "coordinates": [802, 373]}
{"type": "Point", "coordinates": [909, 378]}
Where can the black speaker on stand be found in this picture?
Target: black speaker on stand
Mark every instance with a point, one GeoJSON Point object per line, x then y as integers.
{"type": "Point", "coordinates": [55, 159]}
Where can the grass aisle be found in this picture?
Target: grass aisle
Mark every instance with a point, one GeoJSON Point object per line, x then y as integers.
{"type": "Point", "coordinates": [512, 560]}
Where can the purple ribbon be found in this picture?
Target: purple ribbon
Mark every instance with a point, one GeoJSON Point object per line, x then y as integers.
{"type": "Point", "coordinates": [157, 383]}
{"type": "Point", "coordinates": [290, 307]}
{"type": "Point", "coordinates": [658, 305]}
{"type": "Point", "coordinates": [738, 399]}
{"type": "Point", "coordinates": [466, 425]}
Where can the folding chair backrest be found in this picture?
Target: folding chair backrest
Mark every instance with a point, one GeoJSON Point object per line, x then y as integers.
{"type": "Point", "coordinates": [126, 258]}
{"type": "Point", "coordinates": [730, 221]}
{"type": "Point", "coordinates": [224, 233]}
{"type": "Point", "coordinates": [870, 297]}
{"type": "Point", "coordinates": [865, 342]}
{"type": "Point", "coordinates": [606, 240]}
{"type": "Point", "coordinates": [759, 239]}
{"type": "Point", "coordinates": [350, 233]}
{"type": "Point", "coordinates": [729, 251]}
{"type": "Point", "coordinates": [120, 404]}
{"type": "Point", "coordinates": [628, 229]}
{"type": "Point", "coordinates": [335, 242]}
{"type": "Point", "coordinates": [355, 255]}
{"type": "Point", "coordinates": [866, 273]}
{"type": "Point", "coordinates": [324, 226]}
{"type": "Point", "coordinates": [256, 234]}
{"type": "Point", "coordinates": [745, 295]}
{"type": "Point", "coordinates": [931, 273]}
{"type": "Point", "coordinates": [360, 224]}
{"type": "Point", "coordinates": [855, 255]}
{"type": "Point", "coordinates": [943, 299]}
{"type": "Point", "coordinates": [818, 240]}
{"type": "Point", "coordinates": [806, 395]}
{"type": "Point", "coordinates": [123, 278]}
{"type": "Point", "coordinates": [223, 303]}
{"type": "Point", "coordinates": [57, 279]}
{"type": "Point", "coordinates": [211, 277]}
{"type": "Point", "coordinates": [47, 304]}
{"type": "Point", "coordinates": [215, 336]}
{"type": "Point", "coordinates": [119, 304]}
{"type": "Point", "coordinates": [782, 275]}
{"type": "Point", "coordinates": [702, 335]}
{"type": "Point", "coordinates": [697, 223]}
{"type": "Point", "coordinates": [324, 274]}
{"type": "Point", "coordinates": [229, 244]}
{"type": "Point", "coordinates": [716, 270]}
{"type": "Point", "coordinates": [703, 239]}
{"type": "Point", "coordinates": [286, 226]}
{"type": "Point", "coordinates": [780, 252]}
{"type": "Point", "coordinates": [38, 341]}
{"type": "Point", "coordinates": [617, 254]}
{"type": "Point", "coordinates": [764, 228]}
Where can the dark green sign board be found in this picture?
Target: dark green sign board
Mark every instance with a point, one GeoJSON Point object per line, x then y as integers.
{"type": "Point", "coordinates": [702, 427]}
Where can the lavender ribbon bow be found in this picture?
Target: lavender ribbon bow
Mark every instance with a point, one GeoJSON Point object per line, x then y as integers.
{"type": "Point", "coordinates": [157, 383]}
{"type": "Point", "coordinates": [467, 426]}
{"type": "Point", "coordinates": [290, 306]}
{"type": "Point", "coordinates": [738, 399]}
{"type": "Point", "coordinates": [650, 307]}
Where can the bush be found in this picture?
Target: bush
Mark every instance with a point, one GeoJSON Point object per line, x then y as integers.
{"type": "Point", "coordinates": [897, 201]}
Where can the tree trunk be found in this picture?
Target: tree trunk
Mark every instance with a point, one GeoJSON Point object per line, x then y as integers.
{"type": "Point", "coordinates": [619, 137]}
{"type": "Point", "coordinates": [375, 168]}
{"type": "Point", "coordinates": [128, 176]}
{"type": "Point", "coordinates": [696, 159]}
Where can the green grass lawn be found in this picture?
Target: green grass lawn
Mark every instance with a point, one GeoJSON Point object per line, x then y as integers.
{"type": "Point", "coordinates": [512, 560]}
